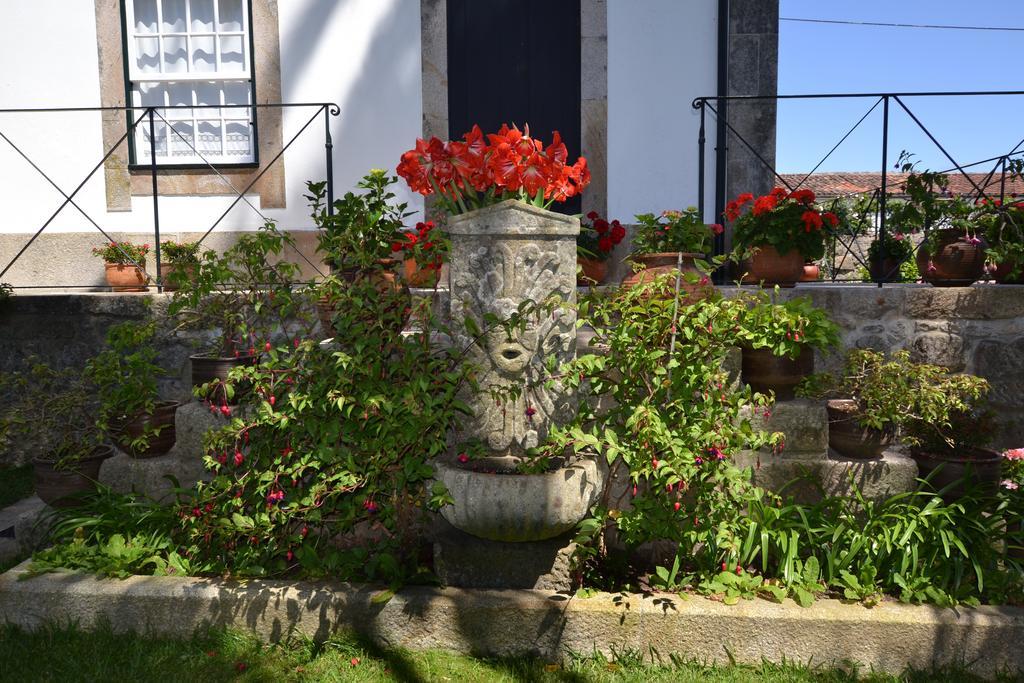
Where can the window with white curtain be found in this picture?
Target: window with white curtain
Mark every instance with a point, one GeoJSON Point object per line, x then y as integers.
{"type": "Point", "coordinates": [194, 53]}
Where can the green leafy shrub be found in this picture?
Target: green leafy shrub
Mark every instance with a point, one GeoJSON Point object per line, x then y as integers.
{"type": "Point", "coordinates": [671, 231]}
{"type": "Point", "coordinates": [787, 328]}
{"type": "Point", "coordinates": [123, 253]}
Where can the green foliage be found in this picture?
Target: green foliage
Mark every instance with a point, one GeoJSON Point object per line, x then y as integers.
{"type": "Point", "coordinates": [787, 328]}
{"type": "Point", "coordinates": [1003, 227]}
{"type": "Point", "coordinates": [180, 253]}
{"type": "Point", "coordinates": [245, 294]}
{"type": "Point", "coordinates": [363, 226]}
{"type": "Point", "coordinates": [17, 484]}
{"type": "Point", "coordinates": [674, 231]}
{"type": "Point", "coordinates": [125, 375]}
{"type": "Point", "coordinates": [50, 412]}
{"type": "Point", "coordinates": [891, 246]}
{"type": "Point", "coordinates": [123, 253]}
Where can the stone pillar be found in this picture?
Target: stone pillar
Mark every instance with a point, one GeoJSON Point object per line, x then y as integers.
{"type": "Point", "coordinates": [506, 529]}
{"type": "Point", "coordinates": [502, 257]}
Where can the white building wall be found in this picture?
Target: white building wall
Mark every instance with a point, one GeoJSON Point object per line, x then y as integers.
{"type": "Point", "coordinates": [363, 55]}
{"type": "Point", "coordinates": [661, 55]}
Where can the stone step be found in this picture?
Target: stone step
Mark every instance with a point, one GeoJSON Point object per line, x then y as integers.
{"type": "Point", "coordinates": [805, 424]}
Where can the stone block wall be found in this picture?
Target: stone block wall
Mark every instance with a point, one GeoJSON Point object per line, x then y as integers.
{"type": "Point", "coordinates": [977, 329]}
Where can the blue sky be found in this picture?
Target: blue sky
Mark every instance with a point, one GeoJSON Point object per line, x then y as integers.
{"type": "Point", "coordinates": [825, 58]}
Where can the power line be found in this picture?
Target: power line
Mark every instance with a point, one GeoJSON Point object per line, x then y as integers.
{"type": "Point", "coordinates": [893, 25]}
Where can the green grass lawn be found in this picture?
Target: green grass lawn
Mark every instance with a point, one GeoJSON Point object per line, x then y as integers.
{"type": "Point", "coordinates": [68, 654]}
{"type": "Point", "coordinates": [15, 484]}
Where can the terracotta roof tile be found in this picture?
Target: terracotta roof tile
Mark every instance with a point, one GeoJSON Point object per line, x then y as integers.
{"type": "Point", "coordinates": [839, 183]}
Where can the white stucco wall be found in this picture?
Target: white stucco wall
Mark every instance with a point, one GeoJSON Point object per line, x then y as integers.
{"type": "Point", "coordinates": [661, 54]}
{"type": "Point", "coordinates": [362, 54]}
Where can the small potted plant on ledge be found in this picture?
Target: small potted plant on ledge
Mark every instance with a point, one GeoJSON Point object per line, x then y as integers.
{"type": "Point", "coordinates": [594, 247]}
{"type": "Point", "coordinates": [180, 261]}
{"type": "Point", "coordinates": [52, 414]}
{"type": "Point", "coordinates": [778, 342]}
{"type": "Point", "coordinates": [125, 375]}
{"type": "Point", "coordinates": [124, 263]}
{"type": "Point", "coordinates": [886, 254]}
{"type": "Point", "coordinates": [423, 251]}
{"type": "Point", "coordinates": [1003, 227]}
{"type": "Point", "coordinates": [670, 241]}
{"type": "Point", "coordinates": [867, 401]}
{"type": "Point", "coordinates": [779, 233]}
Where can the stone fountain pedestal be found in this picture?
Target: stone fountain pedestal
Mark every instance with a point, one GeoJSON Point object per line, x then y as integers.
{"type": "Point", "coordinates": [505, 529]}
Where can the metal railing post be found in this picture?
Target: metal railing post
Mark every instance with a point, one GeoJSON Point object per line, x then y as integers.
{"type": "Point", "coordinates": [885, 181]}
{"type": "Point", "coordinates": [700, 165]}
{"type": "Point", "coordinates": [329, 153]}
{"type": "Point", "coordinates": [156, 200]}
{"type": "Point", "coordinates": [1002, 181]}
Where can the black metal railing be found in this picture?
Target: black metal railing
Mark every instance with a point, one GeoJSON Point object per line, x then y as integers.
{"type": "Point", "coordinates": [717, 106]}
{"type": "Point", "coordinates": [149, 116]}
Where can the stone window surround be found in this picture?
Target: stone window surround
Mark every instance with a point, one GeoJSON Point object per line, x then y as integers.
{"type": "Point", "coordinates": [593, 90]}
{"type": "Point", "coordinates": [122, 184]}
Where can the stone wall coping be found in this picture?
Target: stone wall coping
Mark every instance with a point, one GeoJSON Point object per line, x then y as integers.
{"type": "Point", "coordinates": [887, 637]}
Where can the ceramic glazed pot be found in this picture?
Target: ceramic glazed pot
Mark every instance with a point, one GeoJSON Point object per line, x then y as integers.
{"type": "Point", "coordinates": [848, 438]}
{"type": "Point", "coordinates": [979, 468]}
{"type": "Point", "coordinates": [764, 371]}
{"type": "Point", "coordinates": [884, 270]}
{"type": "Point", "coordinates": [955, 263]}
{"type": "Point", "coordinates": [62, 487]}
{"type": "Point", "coordinates": [1002, 274]}
{"type": "Point", "coordinates": [207, 368]}
{"type": "Point", "coordinates": [415, 276]}
{"type": "Point", "coordinates": [770, 267]}
{"type": "Point", "coordinates": [811, 273]}
{"type": "Point", "coordinates": [655, 265]}
{"type": "Point", "coordinates": [162, 419]}
{"type": "Point", "coordinates": [593, 272]}
{"type": "Point", "coordinates": [125, 278]}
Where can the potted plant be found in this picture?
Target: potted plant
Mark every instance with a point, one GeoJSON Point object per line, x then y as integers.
{"type": "Point", "coordinates": [52, 414]}
{"type": "Point", "coordinates": [670, 241]}
{"type": "Point", "coordinates": [947, 428]}
{"type": "Point", "coordinates": [124, 265]}
{"type": "Point", "coordinates": [246, 297]}
{"type": "Point", "coordinates": [778, 342]}
{"type": "Point", "coordinates": [125, 375]}
{"type": "Point", "coordinates": [423, 251]}
{"type": "Point", "coordinates": [356, 241]}
{"type": "Point", "coordinates": [867, 402]}
{"type": "Point", "coordinates": [1002, 225]}
{"type": "Point", "coordinates": [779, 233]}
{"type": "Point", "coordinates": [180, 261]}
{"type": "Point", "coordinates": [886, 254]}
{"type": "Point", "coordinates": [594, 246]}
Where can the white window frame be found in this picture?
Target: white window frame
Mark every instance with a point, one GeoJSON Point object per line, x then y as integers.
{"type": "Point", "coordinates": [196, 113]}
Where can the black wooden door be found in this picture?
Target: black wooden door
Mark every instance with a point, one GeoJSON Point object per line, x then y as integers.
{"type": "Point", "coordinates": [516, 61]}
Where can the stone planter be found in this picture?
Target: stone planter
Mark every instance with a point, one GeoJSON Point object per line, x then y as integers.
{"type": "Point", "coordinates": [520, 507]}
{"type": "Point", "coordinates": [764, 371]}
{"type": "Point", "coordinates": [769, 267]}
{"type": "Point", "coordinates": [848, 438]}
{"type": "Point", "coordinates": [593, 272]}
{"type": "Point", "coordinates": [977, 469]}
{"type": "Point", "coordinates": [61, 487]}
{"type": "Point", "coordinates": [162, 418]}
{"type": "Point", "coordinates": [955, 263]}
{"type": "Point", "coordinates": [125, 278]}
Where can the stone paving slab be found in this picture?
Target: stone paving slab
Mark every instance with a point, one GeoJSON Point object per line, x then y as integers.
{"type": "Point", "coordinates": [888, 637]}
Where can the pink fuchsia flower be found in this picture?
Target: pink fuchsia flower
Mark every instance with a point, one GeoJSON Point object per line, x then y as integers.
{"type": "Point", "coordinates": [530, 411]}
{"type": "Point", "coordinates": [1014, 454]}
{"type": "Point", "coordinates": [1009, 485]}
{"type": "Point", "coordinates": [463, 458]}
{"type": "Point", "coordinates": [899, 236]}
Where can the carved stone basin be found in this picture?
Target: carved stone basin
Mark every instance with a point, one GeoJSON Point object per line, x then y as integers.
{"type": "Point", "coordinates": [520, 507]}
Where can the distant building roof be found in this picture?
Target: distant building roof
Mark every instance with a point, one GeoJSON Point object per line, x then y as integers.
{"type": "Point", "coordinates": [840, 183]}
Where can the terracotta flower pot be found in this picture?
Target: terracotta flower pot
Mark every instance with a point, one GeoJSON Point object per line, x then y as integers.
{"type": "Point", "coordinates": [848, 438]}
{"type": "Point", "coordinates": [169, 269]}
{"type": "Point", "coordinates": [811, 273]}
{"type": "Point", "coordinates": [764, 371]}
{"type": "Point", "coordinates": [955, 263]}
{"type": "Point", "coordinates": [162, 419]}
{"type": "Point", "coordinates": [884, 270]}
{"type": "Point", "coordinates": [125, 278]}
{"type": "Point", "coordinates": [593, 271]}
{"type": "Point", "coordinates": [975, 469]}
{"type": "Point", "coordinates": [1001, 274]}
{"type": "Point", "coordinates": [61, 487]}
{"type": "Point", "coordinates": [415, 276]}
{"type": "Point", "coordinates": [655, 265]}
{"type": "Point", "coordinates": [771, 268]}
